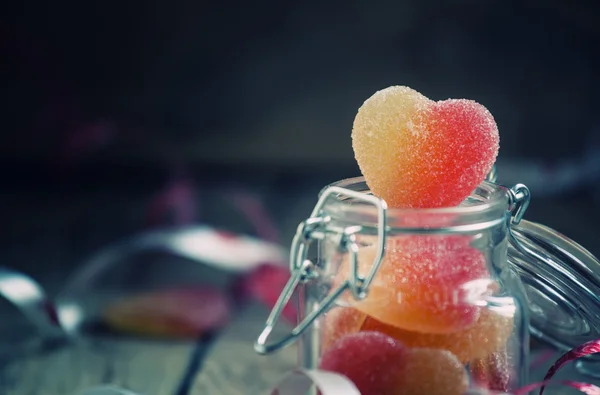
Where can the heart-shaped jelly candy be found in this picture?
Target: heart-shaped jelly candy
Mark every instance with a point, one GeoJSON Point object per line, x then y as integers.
{"type": "Point", "coordinates": [419, 153]}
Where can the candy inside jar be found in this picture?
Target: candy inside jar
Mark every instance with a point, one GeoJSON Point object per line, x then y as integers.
{"type": "Point", "coordinates": [443, 301]}
{"type": "Point", "coordinates": [437, 293]}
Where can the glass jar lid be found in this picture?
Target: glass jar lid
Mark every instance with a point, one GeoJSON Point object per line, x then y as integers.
{"type": "Point", "coordinates": [562, 283]}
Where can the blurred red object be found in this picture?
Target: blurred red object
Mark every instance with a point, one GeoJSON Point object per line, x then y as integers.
{"type": "Point", "coordinates": [265, 284]}
{"type": "Point", "coordinates": [191, 312]}
{"type": "Point", "coordinates": [181, 313]}
{"type": "Point", "coordinates": [175, 203]}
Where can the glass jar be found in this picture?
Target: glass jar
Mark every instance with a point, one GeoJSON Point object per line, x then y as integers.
{"type": "Point", "coordinates": [449, 280]}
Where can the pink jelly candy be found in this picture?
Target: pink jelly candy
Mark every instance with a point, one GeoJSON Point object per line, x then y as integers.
{"type": "Point", "coordinates": [492, 372]}
{"type": "Point", "coordinates": [381, 365]}
{"type": "Point", "coordinates": [423, 283]}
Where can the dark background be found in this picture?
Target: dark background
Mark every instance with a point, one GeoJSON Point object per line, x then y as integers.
{"type": "Point", "coordinates": [107, 103]}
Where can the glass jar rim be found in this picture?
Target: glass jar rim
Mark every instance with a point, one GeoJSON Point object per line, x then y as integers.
{"type": "Point", "coordinates": [487, 206]}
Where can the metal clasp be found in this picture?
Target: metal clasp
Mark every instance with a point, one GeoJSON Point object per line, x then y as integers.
{"type": "Point", "coordinates": [519, 198]}
{"type": "Point", "coordinates": [303, 270]}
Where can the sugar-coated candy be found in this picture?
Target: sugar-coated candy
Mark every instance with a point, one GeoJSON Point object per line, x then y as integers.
{"type": "Point", "coordinates": [491, 372]}
{"type": "Point", "coordinates": [431, 371]}
{"type": "Point", "coordinates": [381, 365]}
{"type": "Point", "coordinates": [339, 322]}
{"type": "Point", "coordinates": [419, 153]}
{"type": "Point", "coordinates": [487, 336]}
{"type": "Point", "coordinates": [373, 361]}
{"type": "Point", "coordinates": [423, 283]}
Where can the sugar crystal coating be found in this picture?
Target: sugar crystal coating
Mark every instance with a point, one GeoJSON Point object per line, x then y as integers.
{"type": "Point", "coordinates": [431, 371]}
{"type": "Point", "coordinates": [339, 322]}
{"type": "Point", "coordinates": [372, 361]}
{"type": "Point", "coordinates": [418, 153]}
{"type": "Point", "coordinates": [492, 372]}
{"type": "Point", "coordinates": [381, 365]}
{"type": "Point", "coordinates": [422, 282]}
{"type": "Point", "coordinates": [488, 335]}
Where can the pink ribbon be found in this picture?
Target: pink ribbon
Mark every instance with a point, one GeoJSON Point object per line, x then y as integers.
{"type": "Point", "coordinates": [298, 382]}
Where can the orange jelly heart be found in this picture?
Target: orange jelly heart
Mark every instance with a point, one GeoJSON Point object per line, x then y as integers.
{"type": "Point", "coordinates": [419, 153]}
{"type": "Point", "coordinates": [487, 336]}
{"type": "Point", "coordinates": [423, 283]}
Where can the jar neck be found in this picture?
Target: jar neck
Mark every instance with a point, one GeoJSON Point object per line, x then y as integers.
{"type": "Point", "coordinates": [487, 207]}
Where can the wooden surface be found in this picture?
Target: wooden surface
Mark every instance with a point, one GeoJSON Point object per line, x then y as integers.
{"type": "Point", "coordinates": [144, 367]}
{"type": "Point", "coordinates": [233, 368]}
{"type": "Point", "coordinates": [229, 365]}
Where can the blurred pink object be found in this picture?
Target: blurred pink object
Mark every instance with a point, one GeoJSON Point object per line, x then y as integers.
{"type": "Point", "coordinates": [255, 212]}
{"type": "Point", "coordinates": [181, 313]}
{"type": "Point", "coordinates": [78, 134]}
{"type": "Point", "coordinates": [264, 284]}
{"type": "Point", "coordinates": [88, 136]}
{"type": "Point", "coordinates": [177, 199]}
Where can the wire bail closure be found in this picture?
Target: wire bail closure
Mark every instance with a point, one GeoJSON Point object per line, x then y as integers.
{"type": "Point", "coordinates": [302, 269]}
{"type": "Point", "coordinates": [317, 226]}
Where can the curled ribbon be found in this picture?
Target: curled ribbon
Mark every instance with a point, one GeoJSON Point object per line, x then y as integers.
{"type": "Point", "coordinates": [586, 388]}
{"type": "Point", "coordinates": [588, 348]}
{"type": "Point", "coordinates": [299, 381]}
